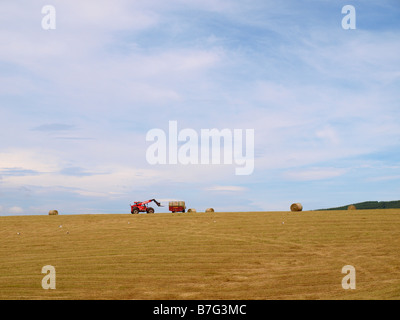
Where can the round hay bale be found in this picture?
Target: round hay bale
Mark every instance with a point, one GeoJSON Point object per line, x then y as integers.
{"type": "Point", "coordinates": [210, 210]}
{"type": "Point", "coordinates": [53, 213]}
{"type": "Point", "coordinates": [351, 207]}
{"type": "Point", "coordinates": [192, 210]}
{"type": "Point", "coordinates": [296, 207]}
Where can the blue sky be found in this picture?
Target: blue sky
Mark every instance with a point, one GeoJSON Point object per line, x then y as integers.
{"type": "Point", "coordinates": [77, 102]}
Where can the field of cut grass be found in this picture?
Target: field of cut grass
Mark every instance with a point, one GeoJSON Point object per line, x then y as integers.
{"type": "Point", "coordinates": [236, 255]}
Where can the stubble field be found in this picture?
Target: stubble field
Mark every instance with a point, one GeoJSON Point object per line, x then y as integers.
{"type": "Point", "coordinates": [222, 255]}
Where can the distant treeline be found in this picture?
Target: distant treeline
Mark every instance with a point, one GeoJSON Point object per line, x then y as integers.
{"type": "Point", "coordinates": [371, 205]}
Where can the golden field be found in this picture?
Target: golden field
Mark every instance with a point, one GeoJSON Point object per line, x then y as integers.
{"type": "Point", "coordinates": [221, 255]}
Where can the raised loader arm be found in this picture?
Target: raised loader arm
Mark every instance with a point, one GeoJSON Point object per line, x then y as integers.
{"type": "Point", "coordinates": [157, 203]}
{"type": "Point", "coordinates": [148, 201]}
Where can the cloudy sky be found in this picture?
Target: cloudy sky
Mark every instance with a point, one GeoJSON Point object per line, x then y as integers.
{"type": "Point", "coordinates": [77, 101]}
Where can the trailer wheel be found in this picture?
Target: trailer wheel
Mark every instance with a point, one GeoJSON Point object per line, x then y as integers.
{"type": "Point", "coordinates": [135, 210]}
{"type": "Point", "coordinates": [150, 210]}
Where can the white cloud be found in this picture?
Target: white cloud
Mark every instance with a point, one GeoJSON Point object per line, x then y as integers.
{"type": "Point", "coordinates": [368, 57]}
{"type": "Point", "coordinates": [226, 188]}
{"type": "Point", "coordinates": [384, 178]}
{"type": "Point", "coordinates": [106, 16]}
{"type": "Point", "coordinates": [28, 160]}
{"type": "Point", "coordinates": [16, 210]}
{"type": "Point", "coordinates": [314, 174]}
{"type": "Point", "coordinates": [328, 134]}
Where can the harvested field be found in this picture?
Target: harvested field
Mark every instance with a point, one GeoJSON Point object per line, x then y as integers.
{"type": "Point", "coordinates": [237, 255]}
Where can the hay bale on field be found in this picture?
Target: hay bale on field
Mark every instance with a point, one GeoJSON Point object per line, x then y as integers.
{"type": "Point", "coordinates": [192, 210]}
{"type": "Point", "coordinates": [351, 207]}
{"type": "Point", "coordinates": [296, 207]}
{"type": "Point", "coordinates": [53, 213]}
{"type": "Point", "coordinates": [209, 210]}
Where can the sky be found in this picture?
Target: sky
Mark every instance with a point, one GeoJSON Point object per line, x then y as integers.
{"type": "Point", "coordinates": [78, 100]}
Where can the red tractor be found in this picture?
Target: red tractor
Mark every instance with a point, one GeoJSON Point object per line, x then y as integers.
{"type": "Point", "coordinates": [143, 206]}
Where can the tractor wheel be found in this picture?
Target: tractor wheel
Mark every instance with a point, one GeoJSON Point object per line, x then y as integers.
{"type": "Point", "coordinates": [135, 210]}
{"type": "Point", "coordinates": [150, 210]}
